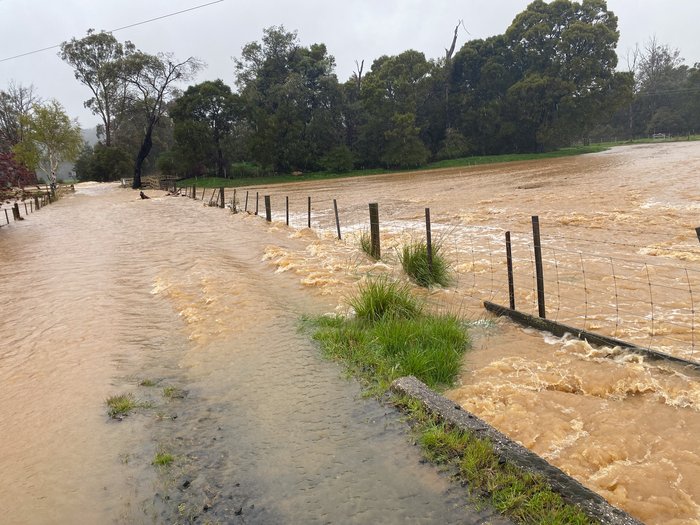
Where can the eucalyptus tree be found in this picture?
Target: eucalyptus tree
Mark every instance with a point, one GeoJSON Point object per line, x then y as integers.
{"type": "Point", "coordinates": [292, 100]}
{"type": "Point", "coordinates": [94, 59]}
{"type": "Point", "coordinates": [151, 86]}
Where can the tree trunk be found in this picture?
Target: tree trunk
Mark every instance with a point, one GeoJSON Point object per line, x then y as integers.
{"type": "Point", "coordinates": [143, 153]}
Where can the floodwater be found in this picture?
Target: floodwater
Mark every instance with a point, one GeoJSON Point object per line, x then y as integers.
{"type": "Point", "coordinates": [102, 291]}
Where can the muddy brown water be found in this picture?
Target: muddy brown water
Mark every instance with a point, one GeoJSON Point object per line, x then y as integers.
{"type": "Point", "coordinates": [108, 290]}
{"type": "Point", "coordinates": [102, 291]}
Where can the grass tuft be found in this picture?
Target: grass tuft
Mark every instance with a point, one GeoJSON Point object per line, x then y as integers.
{"type": "Point", "coordinates": [162, 459]}
{"type": "Point", "coordinates": [392, 336]}
{"type": "Point", "coordinates": [380, 298]}
{"type": "Point", "coordinates": [121, 405]}
{"type": "Point", "coordinates": [365, 240]}
{"type": "Point", "coordinates": [173, 392]}
{"type": "Point", "coordinates": [414, 261]}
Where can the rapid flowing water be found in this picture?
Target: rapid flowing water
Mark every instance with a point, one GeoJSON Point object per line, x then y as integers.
{"type": "Point", "coordinates": [102, 291]}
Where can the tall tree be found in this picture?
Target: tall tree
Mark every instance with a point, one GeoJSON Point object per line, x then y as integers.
{"type": "Point", "coordinates": [52, 137]}
{"type": "Point", "coordinates": [206, 114]}
{"type": "Point", "coordinates": [151, 80]}
{"type": "Point", "coordinates": [94, 59]}
{"type": "Point", "coordinates": [15, 106]}
{"type": "Point", "coordinates": [292, 100]}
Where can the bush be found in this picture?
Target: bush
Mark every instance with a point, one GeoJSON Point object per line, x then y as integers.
{"type": "Point", "coordinates": [381, 298]}
{"type": "Point", "coordinates": [338, 160]}
{"type": "Point", "coordinates": [248, 169]}
{"type": "Point", "coordinates": [414, 261]}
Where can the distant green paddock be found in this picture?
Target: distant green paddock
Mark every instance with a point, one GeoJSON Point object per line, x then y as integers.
{"type": "Point", "coordinates": [218, 182]}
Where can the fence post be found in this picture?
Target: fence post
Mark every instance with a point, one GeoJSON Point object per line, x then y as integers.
{"type": "Point", "coordinates": [337, 220]}
{"type": "Point", "coordinates": [509, 262]}
{"type": "Point", "coordinates": [233, 207]}
{"type": "Point", "coordinates": [194, 192]}
{"type": "Point", "coordinates": [7, 217]}
{"type": "Point", "coordinates": [538, 266]}
{"type": "Point", "coordinates": [25, 210]}
{"type": "Point", "coordinates": [257, 200]}
{"type": "Point", "coordinates": [287, 208]}
{"type": "Point", "coordinates": [246, 201]}
{"type": "Point", "coordinates": [309, 212]}
{"type": "Point", "coordinates": [15, 211]}
{"type": "Point", "coordinates": [697, 232]}
{"type": "Point", "coordinates": [36, 202]}
{"type": "Point", "coordinates": [268, 209]}
{"type": "Point", "coordinates": [375, 248]}
{"type": "Point", "coordinates": [223, 202]}
{"type": "Point", "coordinates": [429, 240]}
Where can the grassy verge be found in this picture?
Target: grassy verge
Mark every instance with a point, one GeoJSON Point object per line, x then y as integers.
{"type": "Point", "coordinates": [217, 182]}
{"type": "Point", "coordinates": [392, 335]}
{"type": "Point", "coordinates": [522, 496]}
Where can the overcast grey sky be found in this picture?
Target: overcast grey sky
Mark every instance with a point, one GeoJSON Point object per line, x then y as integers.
{"type": "Point", "coordinates": [352, 30]}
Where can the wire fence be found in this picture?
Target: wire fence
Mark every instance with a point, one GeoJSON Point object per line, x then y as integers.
{"type": "Point", "coordinates": [17, 210]}
{"type": "Point", "coordinates": [617, 288]}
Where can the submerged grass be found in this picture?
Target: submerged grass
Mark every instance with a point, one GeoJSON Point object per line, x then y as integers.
{"type": "Point", "coordinates": [121, 405]}
{"type": "Point", "coordinates": [522, 496]}
{"type": "Point", "coordinates": [415, 262]}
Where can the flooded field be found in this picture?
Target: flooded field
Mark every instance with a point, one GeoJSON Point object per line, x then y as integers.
{"type": "Point", "coordinates": [104, 293]}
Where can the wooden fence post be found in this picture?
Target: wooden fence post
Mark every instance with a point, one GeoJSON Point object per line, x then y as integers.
{"type": "Point", "coordinates": [233, 206]}
{"type": "Point", "coordinates": [509, 262]}
{"type": "Point", "coordinates": [15, 211]}
{"type": "Point", "coordinates": [375, 248]}
{"type": "Point", "coordinates": [337, 220]}
{"type": "Point", "coordinates": [25, 209]}
{"type": "Point", "coordinates": [268, 209]}
{"type": "Point", "coordinates": [7, 216]}
{"type": "Point", "coordinates": [429, 239]}
{"type": "Point", "coordinates": [697, 232]}
{"type": "Point", "coordinates": [223, 202]}
{"type": "Point", "coordinates": [194, 192]}
{"type": "Point", "coordinates": [257, 201]}
{"type": "Point", "coordinates": [287, 208]}
{"type": "Point", "coordinates": [246, 201]}
{"type": "Point", "coordinates": [36, 202]}
{"type": "Point", "coordinates": [309, 212]}
{"type": "Point", "coordinates": [538, 266]}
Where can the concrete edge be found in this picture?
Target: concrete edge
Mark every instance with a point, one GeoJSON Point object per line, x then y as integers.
{"type": "Point", "coordinates": [571, 490]}
{"type": "Point", "coordinates": [559, 329]}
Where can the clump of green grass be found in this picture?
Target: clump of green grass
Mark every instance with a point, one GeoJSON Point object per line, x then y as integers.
{"type": "Point", "coordinates": [392, 336]}
{"type": "Point", "coordinates": [366, 243]}
{"type": "Point", "coordinates": [521, 495]}
{"type": "Point", "coordinates": [380, 298]}
{"type": "Point", "coordinates": [173, 392]}
{"type": "Point", "coordinates": [162, 459]}
{"type": "Point", "coordinates": [121, 405]}
{"type": "Point", "coordinates": [415, 262]}
{"type": "Point", "coordinates": [148, 382]}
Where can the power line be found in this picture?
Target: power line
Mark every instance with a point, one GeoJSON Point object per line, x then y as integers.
{"type": "Point", "coordinates": [117, 29]}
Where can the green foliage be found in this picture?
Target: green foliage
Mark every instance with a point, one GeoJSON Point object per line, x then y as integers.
{"type": "Point", "coordinates": [414, 261]}
{"type": "Point", "coordinates": [520, 495]}
{"type": "Point", "coordinates": [121, 405]}
{"type": "Point", "coordinates": [248, 170]}
{"type": "Point", "coordinates": [102, 163]}
{"type": "Point", "coordinates": [162, 459]}
{"type": "Point", "coordinates": [338, 160]}
{"type": "Point", "coordinates": [51, 138]}
{"type": "Point", "coordinates": [365, 241]}
{"type": "Point", "coordinates": [380, 298]}
{"type": "Point", "coordinates": [454, 146]}
{"type": "Point", "coordinates": [391, 336]}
